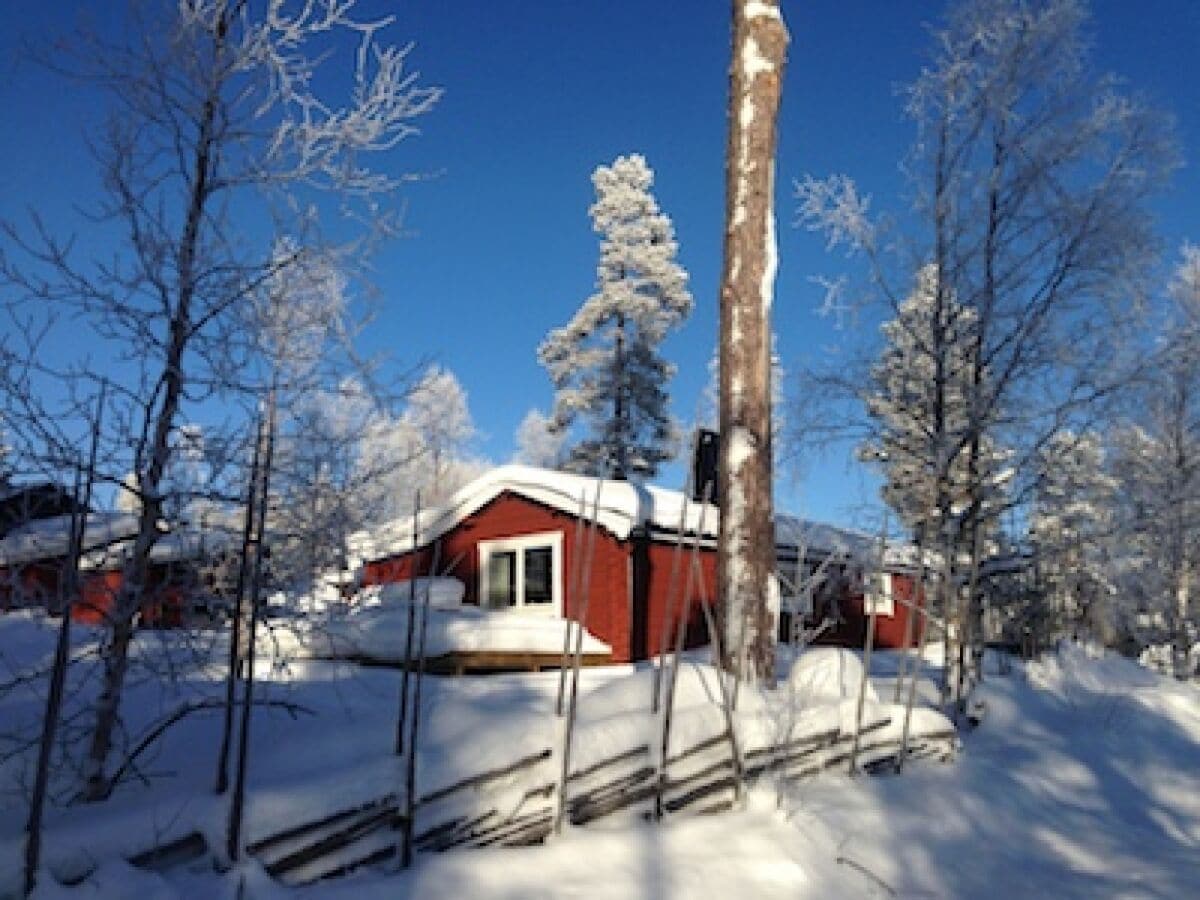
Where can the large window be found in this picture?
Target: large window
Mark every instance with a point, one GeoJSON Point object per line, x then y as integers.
{"type": "Point", "coordinates": [522, 573]}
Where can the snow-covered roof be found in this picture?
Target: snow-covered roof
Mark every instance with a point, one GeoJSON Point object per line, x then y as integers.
{"type": "Point", "coordinates": [171, 547]}
{"type": "Point", "coordinates": [618, 506]}
{"type": "Point", "coordinates": [49, 538]}
{"type": "Point", "coordinates": [107, 539]}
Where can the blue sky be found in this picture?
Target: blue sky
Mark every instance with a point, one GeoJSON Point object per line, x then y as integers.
{"type": "Point", "coordinates": [540, 93]}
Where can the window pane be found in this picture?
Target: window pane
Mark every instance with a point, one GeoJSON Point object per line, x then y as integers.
{"type": "Point", "coordinates": [502, 579]}
{"type": "Point", "coordinates": [538, 574]}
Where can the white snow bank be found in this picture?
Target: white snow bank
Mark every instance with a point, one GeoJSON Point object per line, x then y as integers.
{"type": "Point", "coordinates": [1088, 668]}
{"type": "Point", "coordinates": [828, 673]}
{"type": "Point", "coordinates": [380, 632]}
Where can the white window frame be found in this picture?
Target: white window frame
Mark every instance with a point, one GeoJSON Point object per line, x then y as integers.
{"type": "Point", "coordinates": [518, 546]}
{"type": "Point", "coordinates": [878, 595]}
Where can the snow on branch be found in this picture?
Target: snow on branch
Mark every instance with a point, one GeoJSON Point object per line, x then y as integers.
{"type": "Point", "coordinates": [311, 139]}
{"type": "Point", "coordinates": [834, 207]}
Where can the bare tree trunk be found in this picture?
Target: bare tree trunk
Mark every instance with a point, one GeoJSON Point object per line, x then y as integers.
{"type": "Point", "coordinates": [408, 633]}
{"type": "Point", "coordinates": [1182, 612]}
{"type": "Point", "coordinates": [945, 590]}
{"type": "Point", "coordinates": [572, 696]}
{"type": "Point", "coordinates": [668, 701]}
{"type": "Point", "coordinates": [573, 580]}
{"type": "Point", "coordinates": [673, 578]}
{"type": "Point", "coordinates": [238, 629]}
{"type": "Point", "coordinates": [237, 801]}
{"type": "Point", "coordinates": [410, 757]}
{"type": "Point", "coordinates": [67, 587]}
{"type": "Point", "coordinates": [868, 646]}
{"type": "Point", "coordinates": [910, 618]}
{"type": "Point", "coordinates": [974, 600]}
{"type": "Point", "coordinates": [926, 621]}
{"type": "Point", "coordinates": [746, 549]}
{"type": "Point", "coordinates": [134, 576]}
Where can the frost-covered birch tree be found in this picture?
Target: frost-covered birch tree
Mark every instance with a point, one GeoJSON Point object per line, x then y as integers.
{"type": "Point", "coordinates": [424, 449]}
{"type": "Point", "coordinates": [216, 107]}
{"type": "Point", "coordinates": [1071, 533]}
{"type": "Point", "coordinates": [1157, 460]}
{"type": "Point", "coordinates": [1030, 174]}
{"type": "Point", "coordinates": [917, 398]}
{"type": "Point", "coordinates": [537, 443]}
{"type": "Point", "coordinates": [438, 414]}
{"type": "Point", "coordinates": [747, 589]}
{"type": "Point", "coordinates": [606, 366]}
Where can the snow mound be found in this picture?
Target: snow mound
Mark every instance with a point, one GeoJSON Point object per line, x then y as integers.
{"type": "Point", "coordinates": [828, 673]}
{"type": "Point", "coordinates": [380, 633]}
{"type": "Point", "coordinates": [697, 684]}
{"type": "Point", "coordinates": [443, 593]}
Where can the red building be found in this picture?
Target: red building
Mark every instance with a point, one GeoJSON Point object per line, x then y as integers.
{"type": "Point", "coordinates": [518, 539]}
{"type": "Point", "coordinates": [34, 557]}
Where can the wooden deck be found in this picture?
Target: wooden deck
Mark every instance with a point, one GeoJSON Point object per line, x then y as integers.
{"type": "Point", "coordinates": [480, 662]}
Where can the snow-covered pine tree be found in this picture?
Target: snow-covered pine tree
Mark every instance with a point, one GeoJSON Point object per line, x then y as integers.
{"type": "Point", "coordinates": [605, 362]}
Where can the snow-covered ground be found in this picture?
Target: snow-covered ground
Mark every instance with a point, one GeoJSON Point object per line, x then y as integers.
{"type": "Point", "coordinates": [1083, 780]}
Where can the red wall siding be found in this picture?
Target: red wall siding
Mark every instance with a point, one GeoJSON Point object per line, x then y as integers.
{"type": "Point", "coordinates": [889, 630]}
{"type": "Point", "coordinates": [163, 606]}
{"type": "Point", "coordinates": [662, 557]}
{"type": "Point", "coordinates": [97, 593]}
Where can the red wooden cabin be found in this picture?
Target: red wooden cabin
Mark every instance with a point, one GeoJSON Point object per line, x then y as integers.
{"type": "Point", "coordinates": [33, 560]}
{"type": "Point", "coordinates": [516, 537]}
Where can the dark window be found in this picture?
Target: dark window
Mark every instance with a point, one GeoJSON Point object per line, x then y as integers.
{"type": "Point", "coordinates": [539, 588]}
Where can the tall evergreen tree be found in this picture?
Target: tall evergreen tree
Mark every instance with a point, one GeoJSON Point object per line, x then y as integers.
{"type": "Point", "coordinates": [605, 362]}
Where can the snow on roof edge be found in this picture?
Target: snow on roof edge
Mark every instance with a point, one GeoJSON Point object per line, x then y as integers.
{"type": "Point", "coordinates": [623, 506]}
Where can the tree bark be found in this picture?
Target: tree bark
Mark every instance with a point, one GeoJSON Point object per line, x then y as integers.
{"type": "Point", "coordinates": [746, 549]}
{"type": "Point", "coordinates": [238, 627]}
{"type": "Point", "coordinates": [238, 797]}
